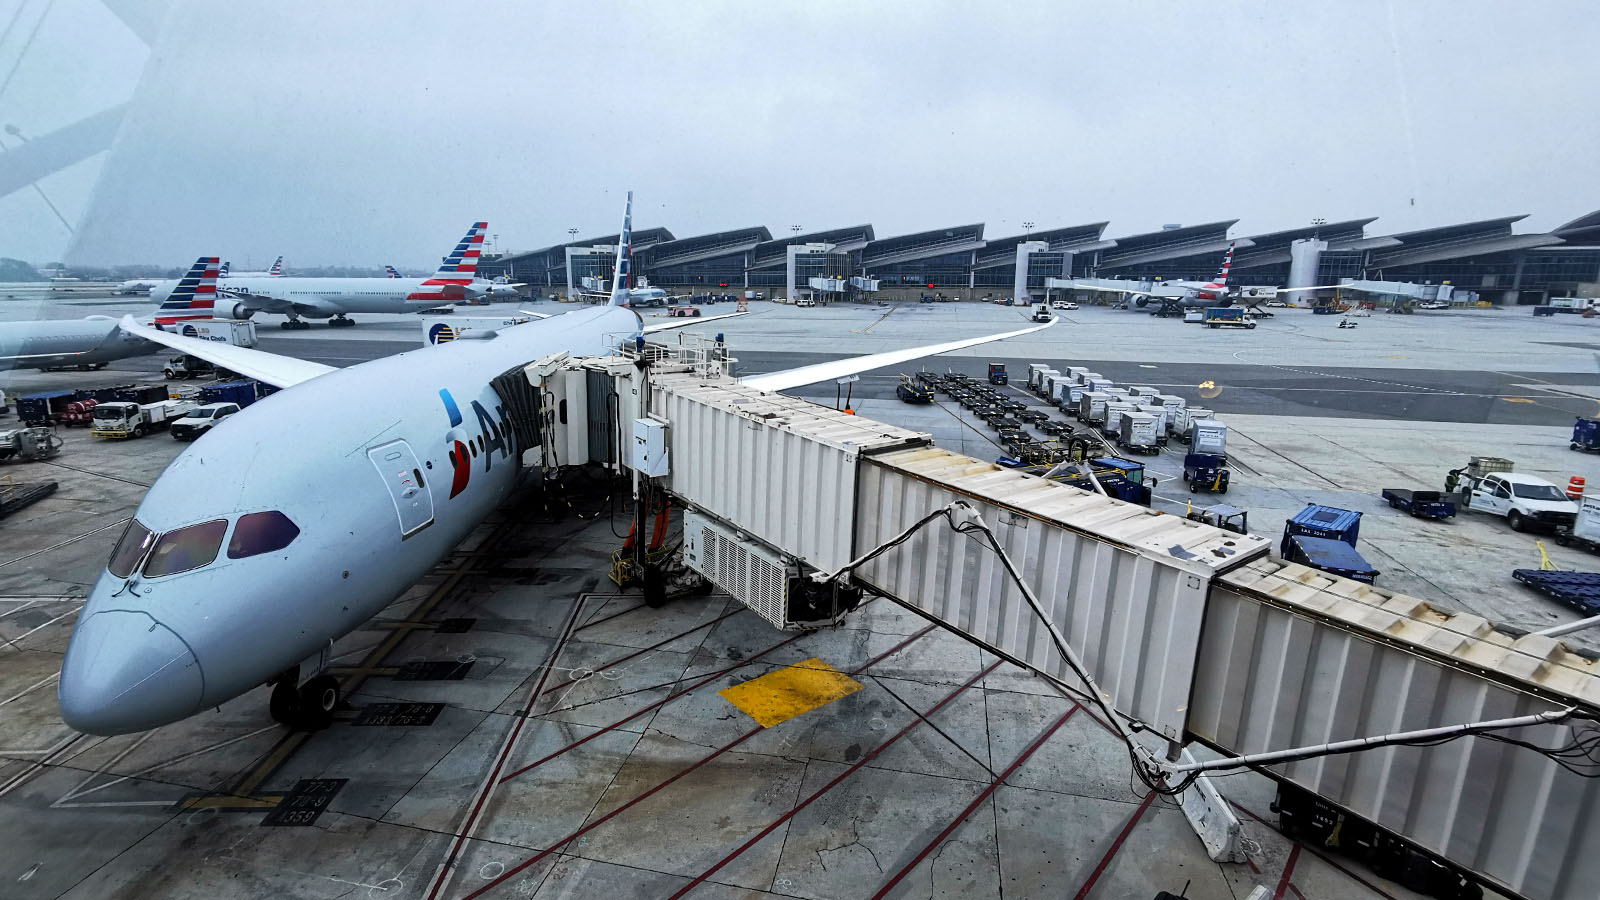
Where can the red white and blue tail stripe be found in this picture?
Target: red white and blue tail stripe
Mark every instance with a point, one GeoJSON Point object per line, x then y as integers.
{"type": "Point", "coordinates": [195, 295]}
{"type": "Point", "coordinates": [389, 270]}
{"type": "Point", "coordinates": [1222, 276]}
{"type": "Point", "coordinates": [277, 267]}
{"type": "Point", "coordinates": [462, 263]}
{"type": "Point", "coordinates": [223, 272]}
{"type": "Point", "coordinates": [622, 276]}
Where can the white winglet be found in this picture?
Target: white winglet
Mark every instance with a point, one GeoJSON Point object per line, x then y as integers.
{"type": "Point", "coordinates": [279, 371]}
{"type": "Point", "coordinates": [791, 378]}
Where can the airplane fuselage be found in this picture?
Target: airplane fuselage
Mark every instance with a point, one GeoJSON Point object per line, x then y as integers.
{"type": "Point", "coordinates": [383, 467]}
{"type": "Point", "coordinates": [320, 298]}
{"type": "Point", "coordinates": [53, 343]}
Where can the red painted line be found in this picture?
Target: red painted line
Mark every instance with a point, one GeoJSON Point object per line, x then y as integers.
{"type": "Point", "coordinates": [656, 646]}
{"type": "Point", "coordinates": [740, 850]}
{"type": "Point", "coordinates": [1321, 856]}
{"type": "Point", "coordinates": [656, 705]}
{"type": "Point", "coordinates": [471, 821]}
{"type": "Point", "coordinates": [962, 818]}
{"type": "Point", "coordinates": [1296, 891]}
{"type": "Point", "coordinates": [1288, 870]}
{"type": "Point", "coordinates": [519, 867]}
{"type": "Point", "coordinates": [1116, 845]}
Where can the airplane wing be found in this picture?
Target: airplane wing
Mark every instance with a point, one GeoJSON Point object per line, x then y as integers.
{"type": "Point", "coordinates": [258, 301]}
{"type": "Point", "coordinates": [686, 320]}
{"type": "Point", "coordinates": [791, 378]}
{"type": "Point", "coordinates": [529, 312]}
{"type": "Point", "coordinates": [279, 371]}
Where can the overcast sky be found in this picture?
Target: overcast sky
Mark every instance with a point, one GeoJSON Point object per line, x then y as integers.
{"type": "Point", "coordinates": [374, 133]}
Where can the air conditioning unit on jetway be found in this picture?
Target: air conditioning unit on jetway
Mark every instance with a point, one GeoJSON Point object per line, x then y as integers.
{"type": "Point", "coordinates": [777, 588]}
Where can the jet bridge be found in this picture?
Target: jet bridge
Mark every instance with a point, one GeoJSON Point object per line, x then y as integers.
{"type": "Point", "coordinates": [1193, 633]}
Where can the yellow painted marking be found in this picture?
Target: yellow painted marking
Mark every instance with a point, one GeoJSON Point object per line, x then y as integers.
{"type": "Point", "coordinates": [1516, 399]}
{"type": "Point", "coordinates": [780, 696]}
{"type": "Point", "coordinates": [227, 801]}
{"type": "Point", "coordinates": [1395, 356]}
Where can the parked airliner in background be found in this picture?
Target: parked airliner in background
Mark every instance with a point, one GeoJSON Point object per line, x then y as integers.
{"type": "Point", "coordinates": [336, 494]}
{"type": "Point", "coordinates": [275, 271]}
{"type": "Point", "coordinates": [335, 298]}
{"type": "Point", "coordinates": [1186, 293]}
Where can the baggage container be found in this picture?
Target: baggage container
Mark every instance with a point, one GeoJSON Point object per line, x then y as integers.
{"type": "Point", "coordinates": [1092, 407]}
{"type": "Point", "coordinates": [1035, 375]}
{"type": "Point", "coordinates": [1115, 410]}
{"type": "Point", "coordinates": [1333, 557]}
{"type": "Point", "coordinates": [240, 392]}
{"type": "Point", "coordinates": [1209, 436]}
{"type": "Point", "coordinates": [152, 393]}
{"type": "Point", "coordinates": [45, 407]}
{"type": "Point", "coordinates": [1328, 522]}
{"type": "Point", "coordinates": [1187, 416]}
{"type": "Point", "coordinates": [1137, 432]}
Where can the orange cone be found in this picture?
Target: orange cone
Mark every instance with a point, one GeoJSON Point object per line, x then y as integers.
{"type": "Point", "coordinates": [1575, 487]}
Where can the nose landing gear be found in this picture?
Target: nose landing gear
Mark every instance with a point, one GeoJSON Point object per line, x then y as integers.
{"type": "Point", "coordinates": [306, 707]}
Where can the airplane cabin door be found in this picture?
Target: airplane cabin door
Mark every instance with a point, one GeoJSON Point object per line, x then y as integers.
{"type": "Point", "coordinates": [402, 473]}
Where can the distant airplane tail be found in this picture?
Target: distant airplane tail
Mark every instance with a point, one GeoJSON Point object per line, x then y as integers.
{"type": "Point", "coordinates": [195, 295]}
{"type": "Point", "coordinates": [391, 272]}
{"type": "Point", "coordinates": [223, 272]}
{"type": "Point", "coordinates": [1227, 263]}
{"type": "Point", "coordinates": [621, 278]}
{"type": "Point", "coordinates": [462, 263]}
{"type": "Point", "coordinates": [277, 267]}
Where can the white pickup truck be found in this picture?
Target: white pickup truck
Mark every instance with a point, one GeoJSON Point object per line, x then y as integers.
{"type": "Point", "coordinates": [1525, 500]}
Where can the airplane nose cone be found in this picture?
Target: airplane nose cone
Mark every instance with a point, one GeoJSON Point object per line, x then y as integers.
{"type": "Point", "coordinates": [126, 672]}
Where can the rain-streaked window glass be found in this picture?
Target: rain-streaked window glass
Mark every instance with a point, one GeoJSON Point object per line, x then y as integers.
{"type": "Point", "coordinates": [261, 532]}
{"type": "Point", "coordinates": [135, 540]}
{"type": "Point", "coordinates": [186, 548]}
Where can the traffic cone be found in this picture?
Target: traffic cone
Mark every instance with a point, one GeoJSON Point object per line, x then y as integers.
{"type": "Point", "coordinates": [1575, 487]}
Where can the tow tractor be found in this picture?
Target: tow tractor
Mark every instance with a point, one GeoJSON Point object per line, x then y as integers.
{"type": "Point", "coordinates": [1586, 434]}
{"type": "Point", "coordinates": [1228, 518]}
{"type": "Point", "coordinates": [997, 374]}
{"type": "Point", "coordinates": [681, 311]}
{"type": "Point", "coordinates": [29, 444]}
{"type": "Point", "coordinates": [1204, 471]}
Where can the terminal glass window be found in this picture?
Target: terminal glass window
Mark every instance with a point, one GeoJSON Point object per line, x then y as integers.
{"type": "Point", "coordinates": [135, 540]}
{"type": "Point", "coordinates": [186, 548]}
{"type": "Point", "coordinates": [263, 532]}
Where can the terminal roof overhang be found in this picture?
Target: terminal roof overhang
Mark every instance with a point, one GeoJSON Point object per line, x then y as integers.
{"type": "Point", "coordinates": [642, 239]}
{"type": "Point", "coordinates": [1272, 248]}
{"type": "Point", "coordinates": [1582, 230]}
{"type": "Point", "coordinates": [922, 245]}
{"type": "Point", "coordinates": [702, 247]}
{"type": "Point", "coordinates": [1170, 244]}
{"type": "Point", "coordinates": [773, 254]}
{"type": "Point", "coordinates": [1078, 238]}
{"type": "Point", "coordinates": [1457, 242]}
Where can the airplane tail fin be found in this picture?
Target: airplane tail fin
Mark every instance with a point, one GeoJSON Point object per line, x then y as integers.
{"type": "Point", "coordinates": [195, 295]}
{"type": "Point", "coordinates": [1227, 263]}
{"type": "Point", "coordinates": [277, 267]}
{"type": "Point", "coordinates": [223, 272]}
{"type": "Point", "coordinates": [622, 278]}
{"type": "Point", "coordinates": [462, 264]}
{"type": "Point", "coordinates": [391, 272]}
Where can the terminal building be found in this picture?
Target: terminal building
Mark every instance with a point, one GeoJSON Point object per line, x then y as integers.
{"type": "Point", "coordinates": [1489, 260]}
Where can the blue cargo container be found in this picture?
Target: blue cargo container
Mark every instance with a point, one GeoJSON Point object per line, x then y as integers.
{"type": "Point", "coordinates": [1331, 556]}
{"type": "Point", "coordinates": [43, 408]}
{"type": "Point", "coordinates": [1586, 434]}
{"type": "Point", "coordinates": [240, 392]}
{"type": "Point", "coordinates": [1328, 522]}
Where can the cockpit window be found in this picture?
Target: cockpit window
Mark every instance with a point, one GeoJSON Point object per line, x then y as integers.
{"type": "Point", "coordinates": [186, 548]}
{"type": "Point", "coordinates": [135, 540]}
{"type": "Point", "coordinates": [261, 532]}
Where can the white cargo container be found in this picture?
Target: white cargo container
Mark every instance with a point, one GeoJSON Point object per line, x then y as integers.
{"type": "Point", "coordinates": [1173, 404]}
{"type": "Point", "coordinates": [1159, 413]}
{"type": "Point", "coordinates": [1186, 417]}
{"type": "Point", "coordinates": [1208, 436]}
{"type": "Point", "coordinates": [1097, 383]}
{"type": "Point", "coordinates": [1092, 407]}
{"type": "Point", "coordinates": [1045, 378]}
{"type": "Point", "coordinates": [1075, 373]}
{"type": "Point", "coordinates": [1052, 380]}
{"type": "Point", "coordinates": [1137, 431]}
{"type": "Point", "coordinates": [1114, 412]}
{"type": "Point", "coordinates": [1142, 392]}
{"type": "Point", "coordinates": [1061, 393]}
{"type": "Point", "coordinates": [221, 331]}
{"type": "Point", "coordinates": [1587, 526]}
{"type": "Point", "coordinates": [795, 462]}
{"type": "Point", "coordinates": [1034, 372]}
{"type": "Point", "coordinates": [1074, 396]}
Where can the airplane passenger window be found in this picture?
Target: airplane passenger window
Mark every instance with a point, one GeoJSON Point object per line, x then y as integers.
{"type": "Point", "coordinates": [135, 540]}
{"type": "Point", "coordinates": [261, 532]}
{"type": "Point", "coordinates": [186, 548]}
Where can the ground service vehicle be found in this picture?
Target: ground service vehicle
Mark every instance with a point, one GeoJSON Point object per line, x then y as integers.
{"type": "Point", "coordinates": [997, 374]}
{"type": "Point", "coordinates": [1421, 504]}
{"type": "Point", "coordinates": [121, 419]}
{"type": "Point", "coordinates": [1205, 472]}
{"type": "Point", "coordinates": [1525, 500]}
{"type": "Point", "coordinates": [180, 367]}
{"type": "Point", "coordinates": [805, 301]}
{"type": "Point", "coordinates": [201, 419]}
{"type": "Point", "coordinates": [1228, 518]}
{"type": "Point", "coordinates": [1586, 434]}
{"type": "Point", "coordinates": [913, 390]}
{"type": "Point", "coordinates": [29, 444]}
{"type": "Point", "coordinates": [677, 311]}
{"type": "Point", "coordinates": [1231, 316]}
{"type": "Point", "coordinates": [1063, 304]}
{"type": "Point", "coordinates": [1041, 313]}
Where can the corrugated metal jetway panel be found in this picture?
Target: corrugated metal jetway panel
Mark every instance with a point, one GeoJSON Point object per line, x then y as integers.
{"type": "Point", "coordinates": [1126, 586]}
{"type": "Point", "coordinates": [1293, 657]}
{"type": "Point", "coordinates": [781, 468]}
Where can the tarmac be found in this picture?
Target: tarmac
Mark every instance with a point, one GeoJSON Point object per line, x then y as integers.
{"type": "Point", "coordinates": [931, 769]}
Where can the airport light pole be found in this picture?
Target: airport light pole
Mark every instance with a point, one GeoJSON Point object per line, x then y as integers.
{"type": "Point", "coordinates": [1027, 229]}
